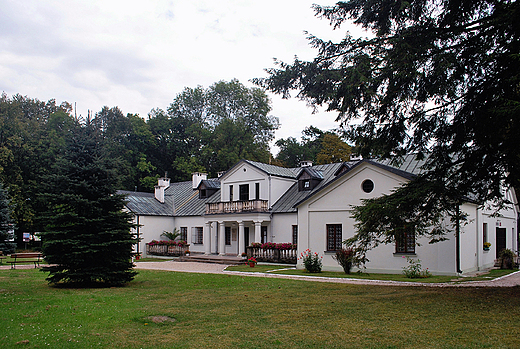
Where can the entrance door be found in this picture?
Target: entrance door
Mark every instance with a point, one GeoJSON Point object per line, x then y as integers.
{"type": "Point", "coordinates": [246, 237]}
{"type": "Point", "coordinates": [501, 240]}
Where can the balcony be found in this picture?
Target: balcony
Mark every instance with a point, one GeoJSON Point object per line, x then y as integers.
{"type": "Point", "coordinates": [254, 206]}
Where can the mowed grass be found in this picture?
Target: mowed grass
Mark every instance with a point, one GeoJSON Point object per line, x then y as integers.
{"type": "Point", "coordinates": [289, 270]}
{"type": "Point", "coordinates": [228, 311]}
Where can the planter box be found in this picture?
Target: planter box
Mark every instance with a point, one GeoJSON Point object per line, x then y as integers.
{"type": "Point", "coordinates": [165, 250]}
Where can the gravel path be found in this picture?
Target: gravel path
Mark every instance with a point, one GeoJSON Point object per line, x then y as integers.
{"type": "Point", "coordinates": [510, 280]}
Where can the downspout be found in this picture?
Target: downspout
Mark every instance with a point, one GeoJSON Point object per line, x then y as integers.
{"type": "Point", "coordinates": [477, 250]}
{"type": "Point", "coordinates": [457, 238]}
{"type": "Point", "coordinates": [138, 239]}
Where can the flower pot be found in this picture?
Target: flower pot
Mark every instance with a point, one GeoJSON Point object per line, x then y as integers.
{"type": "Point", "coordinates": [252, 265]}
{"type": "Point", "coordinates": [486, 248]}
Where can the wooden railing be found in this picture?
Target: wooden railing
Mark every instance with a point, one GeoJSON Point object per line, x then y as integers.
{"type": "Point", "coordinates": [237, 206]}
{"type": "Point", "coordinates": [165, 250]}
{"type": "Point", "coordinates": [272, 255]}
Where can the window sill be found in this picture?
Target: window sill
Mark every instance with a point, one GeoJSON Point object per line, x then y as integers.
{"type": "Point", "coordinates": [405, 254]}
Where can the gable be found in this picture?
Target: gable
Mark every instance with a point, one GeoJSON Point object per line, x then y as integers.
{"type": "Point", "coordinates": [363, 182]}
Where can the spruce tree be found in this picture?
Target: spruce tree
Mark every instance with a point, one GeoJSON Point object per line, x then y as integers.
{"type": "Point", "coordinates": [87, 239]}
{"type": "Point", "coordinates": [5, 224]}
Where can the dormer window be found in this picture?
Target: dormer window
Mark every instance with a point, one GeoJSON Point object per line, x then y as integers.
{"type": "Point", "coordinates": [207, 188]}
{"type": "Point", "coordinates": [309, 178]}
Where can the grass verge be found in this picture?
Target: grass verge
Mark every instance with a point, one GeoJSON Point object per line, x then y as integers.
{"type": "Point", "coordinates": [287, 270]}
{"type": "Point", "coordinates": [227, 311]}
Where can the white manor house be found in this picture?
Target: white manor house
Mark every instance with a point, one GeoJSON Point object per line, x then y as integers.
{"type": "Point", "coordinates": [310, 206]}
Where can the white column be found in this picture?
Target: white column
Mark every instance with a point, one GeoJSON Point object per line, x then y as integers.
{"type": "Point", "coordinates": [207, 238]}
{"type": "Point", "coordinates": [258, 231]}
{"type": "Point", "coordinates": [241, 238]}
{"type": "Point", "coordinates": [221, 238]}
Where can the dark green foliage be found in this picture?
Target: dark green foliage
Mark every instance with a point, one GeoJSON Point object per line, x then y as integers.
{"type": "Point", "coordinates": [6, 227]}
{"type": "Point", "coordinates": [312, 262]}
{"type": "Point", "coordinates": [320, 147]}
{"type": "Point", "coordinates": [87, 239]}
{"type": "Point", "coordinates": [437, 78]}
{"type": "Point", "coordinates": [345, 258]}
{"type": "Point", "coordinates": [211, 129]}
{"type": "Point", "coordinates": [507, 259]}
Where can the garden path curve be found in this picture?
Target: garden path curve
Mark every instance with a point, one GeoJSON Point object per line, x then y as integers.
{"type": "Point", "coordinates": [510, 280]}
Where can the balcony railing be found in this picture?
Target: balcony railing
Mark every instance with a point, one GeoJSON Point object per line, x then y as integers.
{"type": "Point", "coordinates": [164, 250]}
{"type": "Point", "coordinates": [272, 255]}
{"type": "Point", "coordinates": [237, 207]}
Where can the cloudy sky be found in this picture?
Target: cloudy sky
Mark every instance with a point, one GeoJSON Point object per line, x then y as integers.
{"type": "Point", "coordinates": [139, 55]}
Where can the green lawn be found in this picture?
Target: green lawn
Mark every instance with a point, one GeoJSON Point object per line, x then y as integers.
{"type": "Point", "coordinates": [288, 270]}
{"type": "Point", "coordinates": [227, 311]}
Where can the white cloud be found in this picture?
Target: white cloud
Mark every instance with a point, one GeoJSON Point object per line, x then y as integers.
{"type": "Point", "coordinates": [138, 55]}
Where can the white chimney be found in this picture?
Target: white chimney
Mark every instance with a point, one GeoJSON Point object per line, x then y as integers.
{"type": "Point", "coordinates": [162, 185]}
{"type": "Point", "coordinates": [198, 177]}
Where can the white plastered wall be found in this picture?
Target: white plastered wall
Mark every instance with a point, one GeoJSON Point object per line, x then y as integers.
{"type": "Point", "coordinates": [151, 228]}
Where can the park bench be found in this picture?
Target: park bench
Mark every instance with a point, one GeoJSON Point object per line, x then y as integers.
{"type": "Point", "coordinates": [18, 258]}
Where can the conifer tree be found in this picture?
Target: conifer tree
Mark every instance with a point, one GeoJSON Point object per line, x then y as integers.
{"type": "Point", "coordinates": [437, 78]}
{"type": "Point", "coordinates": [87, 239]}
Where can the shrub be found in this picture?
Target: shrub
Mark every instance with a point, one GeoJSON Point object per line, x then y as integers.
{"type": "Point", "coordinates": [311, 261]}
{"type": "Point", "coordinates": [345, 257]}
{"type": "Point", "coordinates": [268, 246]}
{"type": "Point", "coordinates": [414, 271]}
{"type": "Point", "coordinates": [168, 243]}
{"type": "Point", "coordinates": [506, 258]}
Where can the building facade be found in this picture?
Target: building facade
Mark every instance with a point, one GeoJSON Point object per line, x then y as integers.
{"type": "Point", "coordinates": [311, 207]}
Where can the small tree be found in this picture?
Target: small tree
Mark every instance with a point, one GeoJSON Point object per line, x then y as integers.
{"type": "Point", "coordinates": [345, 258]}
{"type": "Point", "coordinates": [171, 235]}
{"type": "Point", "coordinates": [5, 224]}
{"type": "Point", "coordinates": [506, 258]}
{"type": "Point", "coordinates": [87, 239]}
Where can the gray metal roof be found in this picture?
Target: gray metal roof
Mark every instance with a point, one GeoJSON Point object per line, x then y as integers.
{"type": "Point", "coordinates": [275, 170]}
{"type": "Point", "coordinates": [312, 171]}
{"type": "Point", "coordinates": [182, 200]}
{"type": "Point", "coordinates": [145, 204]}
{"type": "Point", "coordinates": [186, 199]}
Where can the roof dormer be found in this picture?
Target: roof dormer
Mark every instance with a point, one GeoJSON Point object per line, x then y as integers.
{"type": "Point", "coordinates": [207, 188]}
{"type": "Point", "coordinates": [309, 178]}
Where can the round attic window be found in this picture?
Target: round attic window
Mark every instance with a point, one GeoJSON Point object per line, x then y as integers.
{"type": "Point", "coordinates": [367, 185]}
{"type": "Point", "coordinates": [245, 169]}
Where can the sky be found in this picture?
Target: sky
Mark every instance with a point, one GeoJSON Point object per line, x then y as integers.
{"type": "Point", "coordinates": [138, 55]}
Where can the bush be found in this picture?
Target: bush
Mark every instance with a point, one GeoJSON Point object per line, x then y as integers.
{"type": "Point", "coordinates": [345, 257]}
{"type": "Point", "coordinates": [506, 258]}
{"type": "Point", "coordinates": [311, 261]}
{"type": "Point", "coordinates": [7, 247]}
{"type": "Point", "coordinates": [414, 271]}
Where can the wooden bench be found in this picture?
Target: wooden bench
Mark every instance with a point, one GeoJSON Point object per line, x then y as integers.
{"type": "Point", "coordinates": [32, 257]}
